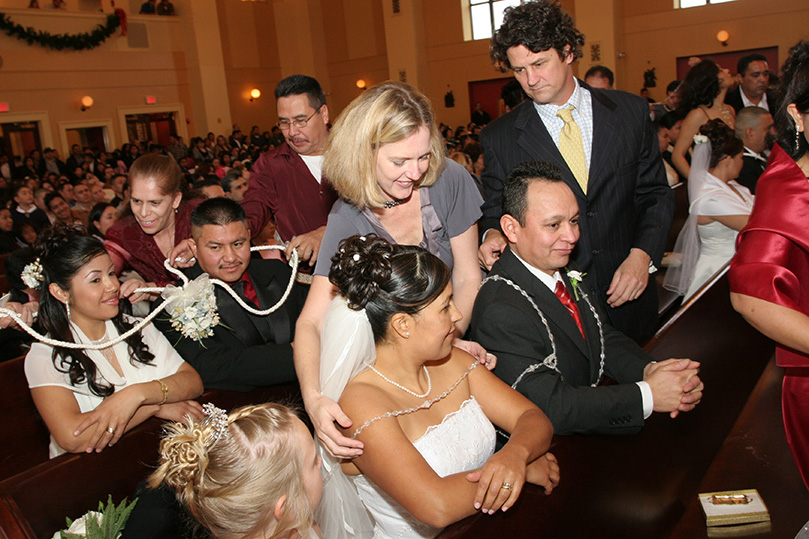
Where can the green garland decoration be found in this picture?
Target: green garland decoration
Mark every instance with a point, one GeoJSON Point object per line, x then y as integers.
{"type": "Point", "coordinates": [76, 42]}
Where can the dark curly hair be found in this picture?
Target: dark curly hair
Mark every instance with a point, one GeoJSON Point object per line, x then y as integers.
{"type": "Point", "coordinates": [700, 87]}
{"type": "Point", "coordinates": [794, 89]}
{"type": "Point", "coordinates": [724, 142]}
{"type": "Point", "coordinates": [63, 251]}
{"type": "Point", "coordinates": [385, 279]}
{"type": "Point", "coordinates": [539, 26]}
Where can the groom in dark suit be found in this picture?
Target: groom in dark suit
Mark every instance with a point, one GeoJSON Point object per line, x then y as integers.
{"type": "Point", "coordinates": [540, 321]}
{"type": "Point", "coordinates": [605, 145]}
{"type": "Point", "coordinates": [246, 351]}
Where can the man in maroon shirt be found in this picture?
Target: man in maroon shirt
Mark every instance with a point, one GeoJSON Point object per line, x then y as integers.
{"type": "Point", "coordinates": [286, 184]}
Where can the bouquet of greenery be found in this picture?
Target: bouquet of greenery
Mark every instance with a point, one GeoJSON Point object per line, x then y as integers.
{"type": "Point", "coordinates": [106, 523]}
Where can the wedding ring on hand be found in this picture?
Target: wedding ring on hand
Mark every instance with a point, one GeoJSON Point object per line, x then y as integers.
{"type": "Point", "coordinates": [112, 431]}
{"type": "Point", "coordinates": [507, 486]}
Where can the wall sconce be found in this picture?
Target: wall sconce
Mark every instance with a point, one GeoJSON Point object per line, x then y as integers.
{"type": "Point", "coordinates": [86, 102]}
{"type": "Point", "coordinates": [361, 84]}
{"type": "Point", "coordinates": [722, 36]}
{"type": "Point", "coordinates": [255, 93]}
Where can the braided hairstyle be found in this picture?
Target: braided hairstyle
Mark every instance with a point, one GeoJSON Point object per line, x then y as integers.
{"type": "Point", "coordinates": [231, 485]}
{"type": "Point", "coordinates": [385, 279]}
{"type": "Point", "coordinates": [723, 140]}
{"type": "Point", "coordinates": [63, 251]}
{"type": "Point", "coordinates": [794, 89]}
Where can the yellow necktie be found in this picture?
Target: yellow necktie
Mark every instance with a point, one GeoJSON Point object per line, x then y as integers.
{"type": "Point", "coordinates": [572, 148]}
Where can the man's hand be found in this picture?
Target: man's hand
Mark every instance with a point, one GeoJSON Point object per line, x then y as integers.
{"type": "Point", "coordinates": [675, 385]}
{"type": "Point", "coordinates": [27, 311]}
{"type": "Point", "coordinates": [308, 245]}
{"type": "Point", "coordinates": [494, 243]}
{"type": "Point", "coordinates": [324, 412]}
{"type": "Point", "coordinates": [630, 279]}
{"type": "Point", "coordinates": [181, 256]}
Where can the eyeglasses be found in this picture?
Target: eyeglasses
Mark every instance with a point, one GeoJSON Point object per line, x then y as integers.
{"type": "Point", "coordinates": [300, 124]}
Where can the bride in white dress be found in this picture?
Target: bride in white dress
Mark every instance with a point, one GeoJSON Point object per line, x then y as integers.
{"type": "Point", "coordinates": [421, 408]}
{"type": "Point", "coordinates": [718, 209]}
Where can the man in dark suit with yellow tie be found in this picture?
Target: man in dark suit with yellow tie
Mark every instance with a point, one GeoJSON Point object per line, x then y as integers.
{"type": "Point", "coordinates": [605, 145]}
{"type": "Point", "coordinates": [551, 339]}
{"type": "Point", "coordinates": [246, 350]}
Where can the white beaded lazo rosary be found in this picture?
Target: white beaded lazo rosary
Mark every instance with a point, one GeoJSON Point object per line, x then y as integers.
{"type": "Point", "coordinates": [191, 306]}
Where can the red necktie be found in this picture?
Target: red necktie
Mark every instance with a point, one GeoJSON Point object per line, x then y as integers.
{"type": "Point", "coordinates": [564, 296]}
{"type": "Point", "coordinates": [249, 290]}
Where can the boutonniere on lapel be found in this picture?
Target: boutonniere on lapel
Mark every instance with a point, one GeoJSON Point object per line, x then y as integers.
{"type": "Point", "coordinates": [576, 277]}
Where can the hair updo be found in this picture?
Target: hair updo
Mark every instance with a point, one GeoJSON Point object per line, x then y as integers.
{"type": "Point", "coordinates": [723, 139]}
{"type": "Point", "coordinates": [385, 279]}
{"type": "Point", "coordinates": [231, 486]}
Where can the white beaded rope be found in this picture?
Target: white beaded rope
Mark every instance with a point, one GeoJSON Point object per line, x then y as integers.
{"type": "Point", "coordinates": [293, 262]}
{"type": "Point", "coordinates": [423, 406]}
{"type": "Point", "coordinates": [550, 361]}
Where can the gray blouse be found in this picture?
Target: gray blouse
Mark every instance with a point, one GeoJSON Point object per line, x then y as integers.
{"type": "Point", "coordinates": [448, 208]}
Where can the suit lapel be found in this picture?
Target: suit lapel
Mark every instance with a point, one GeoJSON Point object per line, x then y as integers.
{"type": "Point", "coordinates": [236, 319]}
{"type": "Point", "coordinates": [588, 321]}
{"type": "Point", "coordinates": [269, 290]}
{"type": "Point", "coordinates": [556, 313]}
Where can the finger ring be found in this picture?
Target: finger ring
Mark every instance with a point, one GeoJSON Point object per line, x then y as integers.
{"type": "Point", "coordinates": [112, 431]}
{"type": "Point", "coordinates": [506, 486]}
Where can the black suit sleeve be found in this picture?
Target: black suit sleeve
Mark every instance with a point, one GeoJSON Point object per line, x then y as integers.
{"type": "Point", "coordinates": [505, 324]}
{"type": "Point", "coordinates": [493, 178]}
{"type": "Point", "coordinates": [654, 199]}
{"type": "Point", "coordinates": [223, 362]}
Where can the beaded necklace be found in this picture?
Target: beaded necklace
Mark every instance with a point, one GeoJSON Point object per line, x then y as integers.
{"type": "Point", "coordinates": [403, 388]}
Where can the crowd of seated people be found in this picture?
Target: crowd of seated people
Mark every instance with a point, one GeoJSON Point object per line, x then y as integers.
{"type": "Point", "coordinates": [418, 261]}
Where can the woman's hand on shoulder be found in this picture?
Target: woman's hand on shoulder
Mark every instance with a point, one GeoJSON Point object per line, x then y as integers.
{"type": "Point", "coordinates": [477, 351]}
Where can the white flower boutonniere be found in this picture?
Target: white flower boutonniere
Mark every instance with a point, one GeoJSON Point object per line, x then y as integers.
{"type": "Point", "coordinates": [699, 139]}
{"type": "Point", "coordinates": [576, 277]}
{"type": "Point", "coordinates": [106, 523]}
{"type": "Point", "coordinates": [193, 308]}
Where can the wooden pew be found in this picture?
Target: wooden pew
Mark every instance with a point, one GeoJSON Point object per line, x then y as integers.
{"type": "Point", "coordinates": [25, 436]}
{"type": "Point", "coordinates": [756, 455]}
{"type": "Point", "coordinates": [640, 485]}
{"type": "Point", "coordinates": [35, 502]}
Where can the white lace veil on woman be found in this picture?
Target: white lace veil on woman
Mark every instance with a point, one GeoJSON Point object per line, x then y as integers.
{"type": "Point", "coordinates": [347, 349]}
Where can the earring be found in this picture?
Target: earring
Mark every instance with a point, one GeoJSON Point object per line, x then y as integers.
{"type": "Point", "coordinates": [67, 308]}
{"type": "Point", "coordinates": [797, 139]}
{"type": "Point", "coordinates": [407, 335]}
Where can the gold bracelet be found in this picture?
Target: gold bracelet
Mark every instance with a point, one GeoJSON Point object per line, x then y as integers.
{"type": "Point", "coordinates": [164, 388]}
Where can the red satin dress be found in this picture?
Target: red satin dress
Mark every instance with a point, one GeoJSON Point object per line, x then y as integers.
{"type": "Point", "coordinates": [772, 263]}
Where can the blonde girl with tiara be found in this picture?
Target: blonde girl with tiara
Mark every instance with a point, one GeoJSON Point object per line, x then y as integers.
{"type": "Point", "coordinates": [253, 473]}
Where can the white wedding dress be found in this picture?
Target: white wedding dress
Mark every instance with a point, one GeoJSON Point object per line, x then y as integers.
{"type": "Point", "coordinates": [463, 441]}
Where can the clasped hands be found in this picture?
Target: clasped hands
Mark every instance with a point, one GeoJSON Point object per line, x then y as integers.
{"type": "Point", "coordinates": [675, 384]}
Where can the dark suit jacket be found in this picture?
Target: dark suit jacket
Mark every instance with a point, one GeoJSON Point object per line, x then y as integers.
{"type": "Point", "coordinates": [734, 99]}
{"type": "Point", "coordinates": [506, 324]}
{"type": "Point", "coordinates": [751, 170]}
{"type": "Point", "coordinates": [246, 351]}
{"type": "Point", "coordinates": [628, 202]}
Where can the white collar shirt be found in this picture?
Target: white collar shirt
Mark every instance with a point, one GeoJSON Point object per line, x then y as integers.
{"type": "Point", "coordinates": [582, 100]}
{"type": "Point", "coordinates": [747, 103]}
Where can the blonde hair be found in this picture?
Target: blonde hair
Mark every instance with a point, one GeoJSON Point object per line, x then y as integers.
{"type": "Point", "coordinates": [231, 486]}
{"type": "Point", "coordinates": [462, 159]}
{"type": "Point", "coordinates": [386, 113]}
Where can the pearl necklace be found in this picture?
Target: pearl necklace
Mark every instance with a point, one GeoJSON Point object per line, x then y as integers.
{"type": "Point", "coordinates": [429, 383]}
{"type": "Point", "coordinates": [392, 203]}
